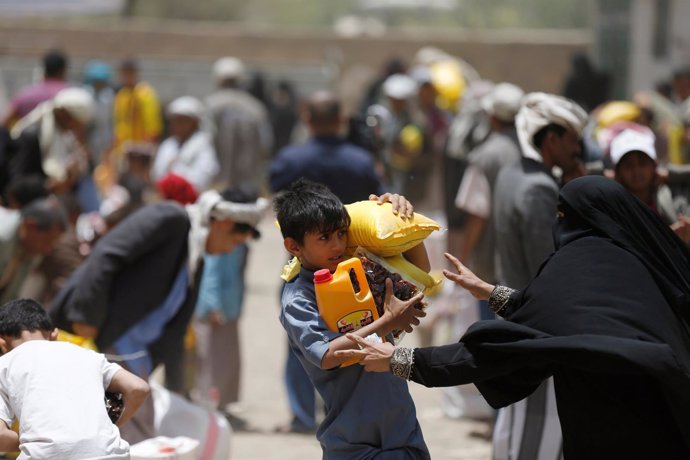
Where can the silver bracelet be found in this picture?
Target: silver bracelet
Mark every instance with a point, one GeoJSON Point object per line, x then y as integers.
{"type": "Point", "coordinates": [498, 300]}
{"type": "Point", "coordinates": [402, 361]}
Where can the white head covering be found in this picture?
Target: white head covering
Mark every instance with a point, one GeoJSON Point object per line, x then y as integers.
{"type": "Point", "coordinates": [421, 74]}
{"type": "Point", "coordinates": [186, 105]}
{"type": "Point", "coordinates": [539, 110]}
{"type": "Point", "coordinates": [56, 146]}
{"type": "Point", "coordinates": [399, 86]}
{"type": "Point", "coordinates": [228, 68]}
{"type": "Point", "coordinates": [77, 102]}
{"type": "Point", "coordinates": [211, 204]}
{"type": "Point", "coordinates": [428, 55]}
{"type": "Point", "coordinates": [632, 140]}
{"type": "Point", "coordinates": [503, 102]}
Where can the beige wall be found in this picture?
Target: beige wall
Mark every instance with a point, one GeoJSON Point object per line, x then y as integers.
{"type": "Point", "coordinates": [179, 54]}
{"type": "Point", "coordinates": [646, 70]}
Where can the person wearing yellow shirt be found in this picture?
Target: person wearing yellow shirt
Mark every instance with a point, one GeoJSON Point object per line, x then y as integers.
{"type": "Point", "coordinates": [136, 110]}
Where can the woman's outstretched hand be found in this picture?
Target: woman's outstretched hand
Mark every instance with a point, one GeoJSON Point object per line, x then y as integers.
{"type": "Point", "coordinates": [375, 357]}
{"type": "Point", "coordinates": [464, 277]}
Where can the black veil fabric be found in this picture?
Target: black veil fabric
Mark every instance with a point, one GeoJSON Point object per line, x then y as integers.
{"type": "Point", "coordinates": [603, 317]}
{"type": "Point", "coordinates": [612, 211]}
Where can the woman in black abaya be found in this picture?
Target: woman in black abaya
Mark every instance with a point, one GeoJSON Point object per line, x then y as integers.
{"type": "Point", "coordinates": [607, 316]}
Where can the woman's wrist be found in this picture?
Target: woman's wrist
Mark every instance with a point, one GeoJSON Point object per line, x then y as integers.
{"type": "Point", "coordinates": [500, 298]}
{"type": "Point", "coordinates": [402, 361]}
{"type": "Point", "coordinates": [486, 289]}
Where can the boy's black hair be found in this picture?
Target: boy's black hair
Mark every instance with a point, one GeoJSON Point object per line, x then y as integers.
{"type": "Point", "coordinates": [25, 189]}
{"type": "Point", "coordinates": [23, 315]}
{"type": "Point", "coordinates": [540, 135]}
{"type": "Point", "coordinates": [308, 207]}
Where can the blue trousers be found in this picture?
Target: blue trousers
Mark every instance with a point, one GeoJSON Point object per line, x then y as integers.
{"type": "Point", "coordinates": [301, 394]}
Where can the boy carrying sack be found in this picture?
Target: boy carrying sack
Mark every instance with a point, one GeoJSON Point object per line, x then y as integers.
{"type": "Point", "coordinates": [367, 415]}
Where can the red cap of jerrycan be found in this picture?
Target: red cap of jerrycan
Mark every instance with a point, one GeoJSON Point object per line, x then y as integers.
{"type": "Point", "coordinates": [322, 276]}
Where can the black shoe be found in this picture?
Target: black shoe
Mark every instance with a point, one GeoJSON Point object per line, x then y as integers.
{"type": "Point", "coordinates": [237, 423]}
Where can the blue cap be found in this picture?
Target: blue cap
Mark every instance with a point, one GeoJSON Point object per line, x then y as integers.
{"type": "Point", "coordinates": [97, 71]}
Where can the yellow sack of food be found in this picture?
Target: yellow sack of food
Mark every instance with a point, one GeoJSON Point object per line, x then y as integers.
{"type": "Point", "coordinates": [431, 283]}
{"type": "Point", "coordinates": [375, 228]}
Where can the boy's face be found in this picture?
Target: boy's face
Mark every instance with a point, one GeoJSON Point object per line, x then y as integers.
{"type": "Point", "coordinates": [320, 250]}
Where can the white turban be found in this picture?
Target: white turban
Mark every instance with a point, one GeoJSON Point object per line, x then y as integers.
{"type": "Point", "coordinates": [211, 204]}
{"type": "Point", "coordinates": [228, 68]}
{"type": "Point", "coordinates": [77, 102]}
{"type": "Point", "coordinates": [58, 148]}
{"type": "Point", "coordinates": [539, 110]}
{"type": "Point", "coordinates": [186, 105]}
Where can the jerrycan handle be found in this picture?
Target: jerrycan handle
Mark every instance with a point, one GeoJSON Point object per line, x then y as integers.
{"type": "Point", "coordinates": [356, 264]}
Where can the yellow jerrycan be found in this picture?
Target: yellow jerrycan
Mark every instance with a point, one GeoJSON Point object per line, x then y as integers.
{"type": "Point", "coordinates": [344, 307]}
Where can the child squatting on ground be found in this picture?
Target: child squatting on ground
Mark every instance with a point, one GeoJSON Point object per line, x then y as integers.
{"type": "Point", "coordinates": [56, 391]}
{"type": "Point", "coordinates": [367, 415]}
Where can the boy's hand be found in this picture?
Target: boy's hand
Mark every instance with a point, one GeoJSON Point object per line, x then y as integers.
{"type": "Point", "coordinates": [134, 392]}
{"type": "Point", "coordinates": [401, 315]}
{"type": "Point", "coordinates": [401, 206]}
{"type": "Point", "coordinates": [216, 318]}
{"type": "Point", "coordinates": [9, 440]}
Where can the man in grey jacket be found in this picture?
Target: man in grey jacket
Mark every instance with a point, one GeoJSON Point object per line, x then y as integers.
{"type": "Point", "coordinates": [525, 205]}
{"type": "Point", "coordinates": [242, 132]}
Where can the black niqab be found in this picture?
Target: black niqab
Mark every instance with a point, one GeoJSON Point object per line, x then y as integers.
{"type": "Point", "coordinates": [605, 207]}
{"type": "Point", "coordinates": [605, 318]}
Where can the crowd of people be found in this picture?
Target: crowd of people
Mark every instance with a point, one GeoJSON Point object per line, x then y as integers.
{"type": "Point", "coordinates": [129, 219]}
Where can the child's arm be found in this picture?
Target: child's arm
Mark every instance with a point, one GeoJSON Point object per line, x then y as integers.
{"type": "Point", "coordinates": [9, 440]}
{"type": "Point", "coordinates": [419, 257]}
{"type": "Point", "coordinates": [134, 392]}
{"type": "Point", "coordinates": [398, 315]}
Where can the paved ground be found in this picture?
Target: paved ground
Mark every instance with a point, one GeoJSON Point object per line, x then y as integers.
{"type": "Point", "coordinates": [264, 403]}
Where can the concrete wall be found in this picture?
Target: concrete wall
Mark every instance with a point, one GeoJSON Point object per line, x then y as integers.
{"type": "Point", "coordinates": [177, 56]}
{"type": "Point", "coordinates": [645, 68]}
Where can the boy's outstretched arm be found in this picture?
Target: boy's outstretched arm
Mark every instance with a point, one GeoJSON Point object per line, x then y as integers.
{"type": "Point", "coordinates": [134, 392]}
{"type": "Point", "coordinates": [9, 440]}
{"type": "Point", "coordinates": [398, 315]}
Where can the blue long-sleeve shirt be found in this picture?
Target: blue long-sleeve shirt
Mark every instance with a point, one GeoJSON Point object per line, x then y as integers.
{"type": "Point", "coordinates": [343, 167]}
{"type": "Point", "coordinates": [368, 414]}
{"type": "Point", "coordinates": [222, 284]}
